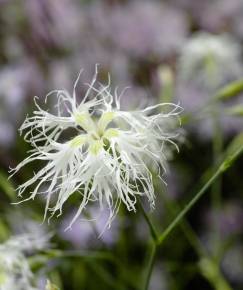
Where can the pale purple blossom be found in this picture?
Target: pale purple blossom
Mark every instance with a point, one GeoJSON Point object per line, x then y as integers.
{"type": "Point", "coordinates": [55, 23]}
{"type": "Point", "coordinates": [143, 28]}
{"type": "Point", "coordinates": [85, 233]}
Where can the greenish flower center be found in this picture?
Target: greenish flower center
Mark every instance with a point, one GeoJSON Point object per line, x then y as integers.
{"type": "Point", "coordinates": [97, 132]}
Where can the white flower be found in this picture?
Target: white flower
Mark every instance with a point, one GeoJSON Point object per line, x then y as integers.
{"type": "Point", "coordinates": [15, 272]}
{"type": "Point", "coordinates": [210, 59]}
{"type": "Point", "coordinates": [107, 161]}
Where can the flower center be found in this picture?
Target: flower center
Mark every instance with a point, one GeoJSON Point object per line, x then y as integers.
{"type": "Point", "coordinates": [98, 132]}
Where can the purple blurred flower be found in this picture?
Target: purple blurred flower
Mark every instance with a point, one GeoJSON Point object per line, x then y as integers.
{"type": "Point", "coordinates": [85, 233]}
{"type": "Point", "coordinates": [7, 133]}
{"type": "Point", "coordinates": [221, 15]}
{"type": "Point", "coordinates": [232, 264]}
{"type": "Point", "coordinates": [229, 218]}
{"type": "Point", "coordinates": [116, 63]}
{"type": "Point", "coordinates": [143, 28]}
{"type": "Point", "coordinates": [55, 22]}
{"type": "Point", "coordinates": [16, 83]}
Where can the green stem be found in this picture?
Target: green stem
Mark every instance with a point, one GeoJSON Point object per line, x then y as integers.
{"type": "Point", "coordinates": [211, 271]}
{"type": "Point", "coordinates": [105, 276]}
{"type": "Point", "coordinates": [217, 151]}
{"type": "Point", "coordinates": [152, 229]}
{"type": "Point", "coordinates": [230, 90]}
{"type": "Point", "coordinates": [7, 186]}
{"type": "Point", "coordinates": [154, 236]}
{"type": "Point", "coordinates": [227, 163]}
{"type": "Point", "coordinates": [99, 255]}
{"type": "Point", "coordinates": [150, 266]}
{"type": "Point", "coordinates": [216, 186]}
{"type": "Point", "coordinates": [158, 240]}
{"type": "Point", "coordinates": [199, 249]}
{"type": "Point", "coordinates": [188, 231]}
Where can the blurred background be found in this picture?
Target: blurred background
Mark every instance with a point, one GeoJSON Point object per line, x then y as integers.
{"type": "Point", "coordinates": [184, 51]}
